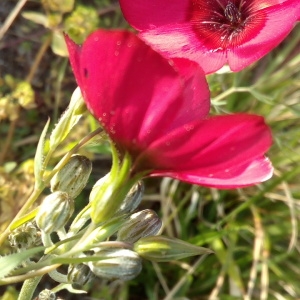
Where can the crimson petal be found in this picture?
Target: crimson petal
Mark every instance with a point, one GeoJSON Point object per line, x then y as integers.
{"type": "Point", "coordinates": [213, 32]}
{"type": "Point", "coordinates": [119, 75]}
{"type": "Point", "coordinates": [248, 174]}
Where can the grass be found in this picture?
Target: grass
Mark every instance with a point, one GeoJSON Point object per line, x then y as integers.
{"type": "Point", "coordinates": [254, 232]}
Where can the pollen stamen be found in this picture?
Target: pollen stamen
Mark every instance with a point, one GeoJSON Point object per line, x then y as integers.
{"type": "Point", "coordinates": [232, 14]}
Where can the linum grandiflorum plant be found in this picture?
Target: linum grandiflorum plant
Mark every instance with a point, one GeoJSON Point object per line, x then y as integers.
{"type": "Point", "coordinates": [107, 239]}
{"type": "Point", "coordinates": [154, 113]}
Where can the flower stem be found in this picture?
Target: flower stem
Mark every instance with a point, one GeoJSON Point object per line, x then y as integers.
{"type": "Point", "coordinates": [11, 17]}
{"type": "Point", "coordinates": [65, 159]}
{"type": "Point", "coordinates": [29, 275]}
{"type": "Point", "coordinates": [229, 92]}
{"type": "Point", "coordinates": [33, 197]}
{"type": "Point", "coordinates": [8, 140]}
{"type": "Point", "coordinates": [38, 58]}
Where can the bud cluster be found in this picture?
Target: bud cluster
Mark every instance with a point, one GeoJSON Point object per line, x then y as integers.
{"type": "Point", "coordinates": [116, 259]}
{"type": "Point", "coordinates": [133, 235]}
{"type": "Point", "coordinates": [57, 208]}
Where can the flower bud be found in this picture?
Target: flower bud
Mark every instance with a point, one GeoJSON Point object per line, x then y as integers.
{"type": "Point", "coordinates": [141, 224]}
{"type": "Point", "coordinates": [24, 236]}
{"type": "Point", "coordinates": [73, 177]}
{"type": "Point", "coordinates": [133, 198]}
{"type": "Point", "coordinates": [79, 274]}
{"type": "Point", "coordinates": [54, 212]}
{"type": "Point", "coordinates": [97, 186]}
{"type": "Point", "coordinates": [46, 295]}
{"type": "Point", "coordinates": [116, 263]}
{"type": "Point", "coordinates": [161, 248]}
{"type": "Point", "coordinates": [108, 193]}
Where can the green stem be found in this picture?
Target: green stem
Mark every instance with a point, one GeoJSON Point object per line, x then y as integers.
{"type": "Point", "coordinates": [33, 197]}
{"type": "Point", "coordinates": [11, 17]}
{"type": "Point", "coordinates": [66, 158]}
{"type": "Point", "coordinates": [29, 275]}
{"type": "Point", "coordinates": [80, 246]}
{"type": "Point", "coordinates": [229, 92]}
{"type": "Point", "coordinates": [6, 144]}
{"type": "Point", "coordinates": [29, 287]}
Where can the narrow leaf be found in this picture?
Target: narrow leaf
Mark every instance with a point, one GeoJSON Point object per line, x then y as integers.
{"type": "Point", "coordinates": [10, 262]}
{"type": "Point", "coordinates": [261, 97]}
{"type": "Point", "coordinates": [28, 217]}
{"type": "Point", "coordinates": [39, 157]}
{"type": "Point", "coordinates": [68, 120]}
{"type": "Point", "coordinates": [35, 17]}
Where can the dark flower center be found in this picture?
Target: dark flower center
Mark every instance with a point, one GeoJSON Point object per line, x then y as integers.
{"type": "Point", "coordinates": [222, 24]}
{"type": "Point", "coordinates": [232, 14]}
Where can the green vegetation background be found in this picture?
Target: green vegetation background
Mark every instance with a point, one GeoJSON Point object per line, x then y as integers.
{"type": "Point", "coordinates": [253, 231]}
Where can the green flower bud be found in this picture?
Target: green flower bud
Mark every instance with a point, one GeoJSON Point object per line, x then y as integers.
{"type": "Point", "coordinates": [97, 186]}
{"type": "Point", "coordinates": [46, 295]}
{"type": "Point", "coordinates": [161, 248]}
{"type": "Point", "coordinates": [24, 236]}
{"type": "Point", "coordinates": [108, 193]}
{"type": "Point", "coordinates": [141, 224]}
{"type": "Point", "coordinates": [116, 263]}
{"type": "Point", "coordinates": [73, 177]}
{"type": "Point", "coordinates": [54, 212]}
{"type": "Point", "coordinates": [133, 198]}
{"type": "Point", "coordinates": [79, 274]}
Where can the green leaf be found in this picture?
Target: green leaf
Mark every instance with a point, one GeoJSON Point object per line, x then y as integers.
{"type": "Point", "coordinates": [35, 17]}
{"type": "Point", "coordinates": [74, 260]}
{"type": "Point", "coordinates": [10, 262]}
{"type": "Point", "coordinates": [28, 217]}
{"type": "Point", "coordinates": [58, 44]}
{"type": "Point", "coordinates": [261, 97]}
{"type": "Point", "coordinates": [68, 120]}
{"type": "Point", "coordinates": [39, 157]}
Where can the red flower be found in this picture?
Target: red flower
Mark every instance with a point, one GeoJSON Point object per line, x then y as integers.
{"type": "Point", "coordinates": [156, 110]}
{"type": "Point", "coordinates": [213, 32]}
